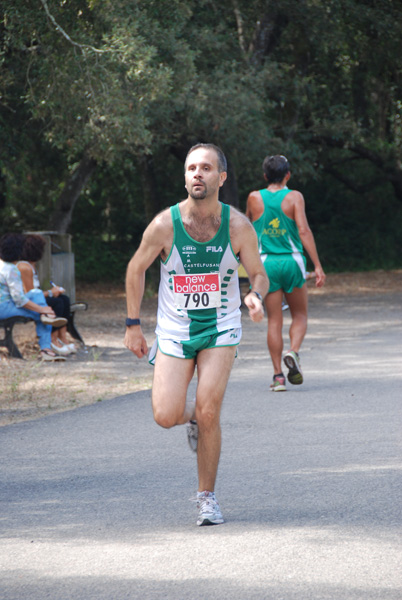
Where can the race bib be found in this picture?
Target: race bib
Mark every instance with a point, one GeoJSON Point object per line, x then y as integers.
{"type": "Point", "coordinates": [197, 291]}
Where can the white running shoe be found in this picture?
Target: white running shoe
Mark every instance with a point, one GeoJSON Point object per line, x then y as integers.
{"type": "Point", "coordinates": [192, 435]}
{"type": "Point", "coordinates": [209, 510]}
{"type": "Point", "coordinates": [292, 361]}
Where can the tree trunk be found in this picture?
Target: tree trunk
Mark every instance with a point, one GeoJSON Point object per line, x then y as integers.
{"type": "Point", "coordinates": [2, 191]}
{"type": "Point", "coordinates": [152, 203]}
{"type": "Point", "coordinates": [61, 218]}
{"type": "Point", "coordinates": [229, 193]}
{"type": "Point", "coordinates": [396, 180]}
{"type": "Point", "coordinates": [267, 35]}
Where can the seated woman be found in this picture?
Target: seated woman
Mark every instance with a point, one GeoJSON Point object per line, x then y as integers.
{"type": "Point", "coordinates": [32, 251]}
{"type": "Point", "coordinates": [14, 302]}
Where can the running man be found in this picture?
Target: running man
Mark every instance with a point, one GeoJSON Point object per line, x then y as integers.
{"type": "Point", "coordinates": [279, 218]}
{"type": "Point", "coordinates": [200, 242]}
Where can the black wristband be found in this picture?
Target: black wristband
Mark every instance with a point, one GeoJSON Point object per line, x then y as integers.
{"type": "Point", "coordinates": [131, 322]}
{"type": "Point", "coordinates": [258, 295]}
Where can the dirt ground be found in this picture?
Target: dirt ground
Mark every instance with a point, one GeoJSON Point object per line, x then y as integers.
{"type": "Point", "coordinates": [104, 368]}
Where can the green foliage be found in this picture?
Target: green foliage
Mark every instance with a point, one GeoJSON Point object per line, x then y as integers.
{"type": "Point", "coordinates": [97, 260]}
{"type": "Point", "coordinates": [354, 232]}
{"type": "Point", "coordinates": [134, 84]}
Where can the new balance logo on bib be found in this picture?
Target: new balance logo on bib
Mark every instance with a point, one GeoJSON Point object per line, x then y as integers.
{"type": "Point", "coordinates": [197, 291]}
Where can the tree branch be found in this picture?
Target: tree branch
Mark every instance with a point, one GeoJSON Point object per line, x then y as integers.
{"type": "Point", "coordinates": [240, 30]}
{"type": "Point", "coordinates": [355, 187]}
{"type": "Point", "coordinates": [266, 36]}
{"type": "Point", "coordinates": [388, 167]}
{"type": "Point", "coordinates": [58, 27]}
{"type": "Point", "coordinates": [358, 149]}
{"type": "Point", "coordinates": [61, 217]}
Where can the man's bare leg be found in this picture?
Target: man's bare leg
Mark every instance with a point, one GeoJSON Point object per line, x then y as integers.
{"type": "Point", "coordinates": [298, 303]}
{"type": "Point", "coordinates": [273, 304]}
{"type": "Point", "coordinates": [169, 390]}
{"type": "Point", "coordinates": [214, 366]}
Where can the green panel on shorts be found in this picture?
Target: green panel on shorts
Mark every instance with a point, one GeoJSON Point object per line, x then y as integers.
{"type": "Point", "coordinates": [284, 273]}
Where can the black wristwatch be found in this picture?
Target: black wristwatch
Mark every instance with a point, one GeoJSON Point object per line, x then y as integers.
{"type": "Point", "coordinates": [257, 294]}
{"type": "Point", "coordinates": [131, 322]}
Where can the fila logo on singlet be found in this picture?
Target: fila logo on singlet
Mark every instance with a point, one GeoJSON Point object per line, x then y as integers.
{"type": "Point", "coordinates": [214, 249]}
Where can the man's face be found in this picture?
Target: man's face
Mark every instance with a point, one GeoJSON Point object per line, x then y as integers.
{"type": "Point", "coordinates": [202, 176]}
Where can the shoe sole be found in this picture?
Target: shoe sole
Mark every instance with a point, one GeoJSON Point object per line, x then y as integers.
{"type": "Point", "coordinates": [192, 448]}
{"type": "Point", "coordinates": [207, 522]}
{"type": "Point", "coordinates": [278, 388]}
{"type": "Point", "coordinates": [192, 442]}
{"type": "Point", "coordinates": [295, 376]}
{"type": "Point", "coordinates": [61, 322]}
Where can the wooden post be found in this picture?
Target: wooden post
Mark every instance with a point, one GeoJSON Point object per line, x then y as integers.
{"type": "Point", "coordinates": [57, 263]}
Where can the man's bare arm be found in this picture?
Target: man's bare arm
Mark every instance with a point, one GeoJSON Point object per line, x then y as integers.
{"type": "Point", "coordinates": [156, 238]}
{"type": "Point", "coordinates": [246, 246]}
{"type": "Point", "coordinates": [307, 237]}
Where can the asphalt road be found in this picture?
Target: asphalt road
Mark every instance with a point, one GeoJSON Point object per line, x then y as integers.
{"type": "Point", "coordinates": [95, 502]}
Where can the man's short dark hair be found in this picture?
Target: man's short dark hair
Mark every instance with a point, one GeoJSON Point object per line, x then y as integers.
{"type": "Point", "coordinates": [222, 163]}
{"type": "Point", "coordinates": [275, 168]}
{"type": "Point", "coordinates": [11, 246]}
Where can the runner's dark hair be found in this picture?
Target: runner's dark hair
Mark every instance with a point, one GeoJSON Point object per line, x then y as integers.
{"type": "Point", "coordinates": [222, 163]}
{"type": "Point", "coordinates": [275, 168]}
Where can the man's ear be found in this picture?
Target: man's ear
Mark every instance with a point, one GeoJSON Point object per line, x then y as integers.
{"type": "Point", "coordinates": [223, 176]}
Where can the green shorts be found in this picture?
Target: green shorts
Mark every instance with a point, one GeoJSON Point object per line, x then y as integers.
{"type": "Point", "coordinates": [285, 271]}
{"type": "Point", "coordinates": [190, 348]}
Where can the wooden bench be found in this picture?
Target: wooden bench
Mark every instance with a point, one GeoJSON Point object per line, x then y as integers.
{"type": "Point", "coordinates": [8, 324]}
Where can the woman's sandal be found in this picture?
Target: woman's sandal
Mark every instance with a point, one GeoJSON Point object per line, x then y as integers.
{"type": "Point", "coordinates": [50, 356]}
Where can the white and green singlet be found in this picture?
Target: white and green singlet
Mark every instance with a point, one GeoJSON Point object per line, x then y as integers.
{"type": "Point", "coordinates": [199, 294]}
{"type": "Point", "coordinates": [279, 244]}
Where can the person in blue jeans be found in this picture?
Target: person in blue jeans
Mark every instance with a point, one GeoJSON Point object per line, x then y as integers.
{"type": "Point", "coordinates": [32, 252]}
{"type": "Point", "coordinates": [14, 302]}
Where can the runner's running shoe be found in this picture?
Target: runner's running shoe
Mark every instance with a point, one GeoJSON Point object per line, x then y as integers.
{"type": "Point", "coordinates": [292, 361]}
{"type": "Point", "coordinates": [278, 384]}
{"type": "Point", "coordinates": [209, 510]}
{"type": "Point", "coordinates": [192, 435]}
